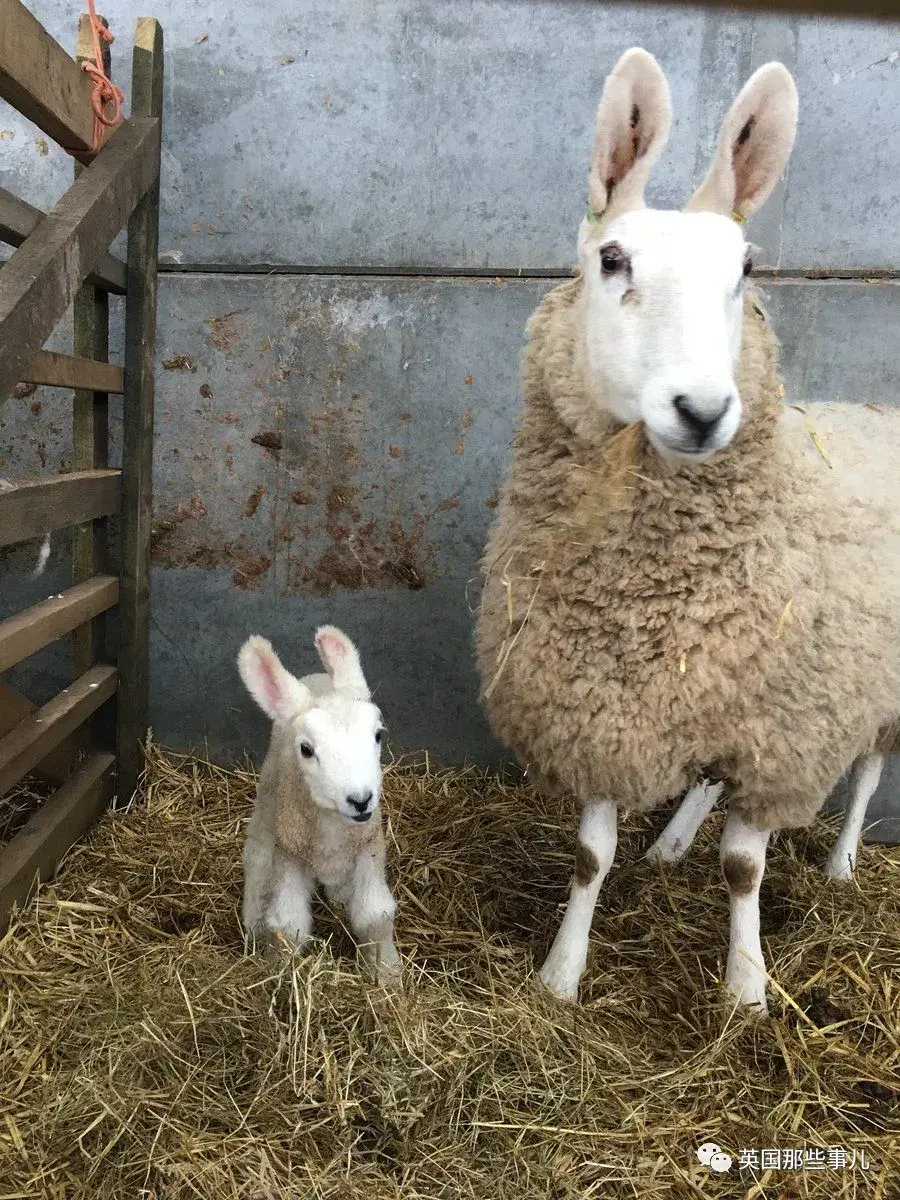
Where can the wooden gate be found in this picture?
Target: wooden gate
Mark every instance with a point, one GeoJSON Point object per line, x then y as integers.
{"type": "Point", "coordinates": [89, 738]}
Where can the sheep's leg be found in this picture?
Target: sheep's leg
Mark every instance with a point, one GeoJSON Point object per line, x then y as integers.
{"type": "Point", "coordinates": [593, 859]}
{"type": "Point", "coordinates": [743, 857]}
{"type": "Point", "coordinates": [864, 778]}
{"type": "Point", "coordinates": [675, 840]}
{"type": "Point", "coordinates": [289, 902]}
{"type": "Point", "coordinates": [370, 909]}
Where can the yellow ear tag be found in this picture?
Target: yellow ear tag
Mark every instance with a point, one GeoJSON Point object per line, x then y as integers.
{"type": "Point", "coordinates": [739, 217]}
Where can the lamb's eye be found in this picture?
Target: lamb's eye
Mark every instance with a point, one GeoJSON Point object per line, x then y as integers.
{"type": "Point", "coordinates": [378, 733]}
{"type": "Point", "coordinates": [612, 258]}
{"type": "Point", "coordinates": [306, 750]}
{"type": "Point", "coordinates": [748, 266]}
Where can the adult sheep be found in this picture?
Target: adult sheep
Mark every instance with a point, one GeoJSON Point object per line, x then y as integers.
{"type": "Point", "coordinates": [687, 578]}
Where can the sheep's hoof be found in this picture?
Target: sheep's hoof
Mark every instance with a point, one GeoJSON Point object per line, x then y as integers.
{"type": "Point", "coordinates": [664, 851]}
{"type": "Point", "coordinates": [561, 980]}
{"type": "Point", "coordinates": [839, 867]}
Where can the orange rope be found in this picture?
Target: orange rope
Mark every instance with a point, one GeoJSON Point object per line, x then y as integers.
{"type": "Point", "coordinates": [104, 91]}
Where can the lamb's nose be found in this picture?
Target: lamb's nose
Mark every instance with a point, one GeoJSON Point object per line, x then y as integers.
{"type": "Point", "coordinates": [360, 801]}
{"type": "Point", "coordinates": [700, 422]}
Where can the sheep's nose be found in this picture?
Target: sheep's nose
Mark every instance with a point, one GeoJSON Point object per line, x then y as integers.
{"type": "Point", "coordinates": [361, 801]}
{"type": "Point", "coordinates": [698, 418]}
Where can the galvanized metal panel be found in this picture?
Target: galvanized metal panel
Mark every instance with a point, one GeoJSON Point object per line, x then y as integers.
{"type": "Point", "coordinates": [401, 134]}
{"type": "Point", "coordinates": [382, 411]}
{"type": "Point", "coordinates": [883, 815]}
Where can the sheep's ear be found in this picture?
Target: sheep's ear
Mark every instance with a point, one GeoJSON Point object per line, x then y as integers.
{"type": "Point", "coordinates": [340, 659]}
{"type": "Point", "coordinates": [274, 689]}
{"type": "Point", "coordinates": [633, 122]}
{"type": "Point", "coordinates": [755, 142]}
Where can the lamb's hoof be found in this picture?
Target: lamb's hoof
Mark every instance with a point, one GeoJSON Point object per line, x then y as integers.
{"type": "Point", "coordinates": [388, 970]}
{"type": "Point", "coordinates": [839, 867]}
{"type": "Point", "coordinates": [750, 995]}
{"type": "Point", "coordinates": [561, 979]}
{"type": "Point", "coordinates": [277, 939]}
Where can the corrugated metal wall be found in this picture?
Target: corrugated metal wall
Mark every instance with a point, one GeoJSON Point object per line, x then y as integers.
{"type": "Point", "coordinates": [362, 202]}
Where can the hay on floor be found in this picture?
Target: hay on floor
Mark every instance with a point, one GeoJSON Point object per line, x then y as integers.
{"type": "Point", "coordinates": [19, 804]}
{"type": "Point", "coordinates": [145, 1054]}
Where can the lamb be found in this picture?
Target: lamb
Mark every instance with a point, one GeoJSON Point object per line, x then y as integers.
{"type": "Point", "coordinates": [316, 819]}
{"type": "Point", "coordinates": [687, 578]}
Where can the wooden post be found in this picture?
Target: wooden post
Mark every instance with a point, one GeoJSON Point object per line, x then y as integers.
{"type": "Point", "coordinates": [91, 438]}
{"type": "Point", "coordinates": [137, 451]}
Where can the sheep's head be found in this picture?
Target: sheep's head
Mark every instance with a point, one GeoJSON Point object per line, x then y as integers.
{"type": "Point", "coordinates": [663, 298]}
{"type": "Point", "coordinates": [336, 731]}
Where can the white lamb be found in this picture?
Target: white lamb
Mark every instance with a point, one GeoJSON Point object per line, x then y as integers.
{"type": "Point", "coordinates": [316, 817]}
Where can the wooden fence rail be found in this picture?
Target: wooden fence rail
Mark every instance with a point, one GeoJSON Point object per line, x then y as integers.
{"type": "Point", "coordinates": [18, 220]}
{"type": "Point", "coordinates": [87, 741]}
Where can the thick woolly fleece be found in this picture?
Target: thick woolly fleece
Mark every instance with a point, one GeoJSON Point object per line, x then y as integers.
{"type": "Point", "coordinates": [737, 619]}
{"type": "Point", "coordinates": [319, 839]}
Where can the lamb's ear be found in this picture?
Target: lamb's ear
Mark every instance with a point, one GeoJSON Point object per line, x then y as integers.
{"type": "Point", "coordinates": [340, 659]}
{"type": "Point", "coordinates": [632, 126]}
{"type": "Point", "coordinates": [277, 692]}
{"type": "Point", "coordinates": [755, 142]}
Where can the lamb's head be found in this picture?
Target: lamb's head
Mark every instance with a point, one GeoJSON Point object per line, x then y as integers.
{"type": "Point", "coordinates": [664, 290]}
{"type": "Point", "coordinates": [336, 729]}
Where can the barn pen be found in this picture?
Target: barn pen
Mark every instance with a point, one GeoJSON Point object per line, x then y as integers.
{"type": "Point", "coordinates": [97, 724]}
{"type": "Point", "coordinates": [315, 372]}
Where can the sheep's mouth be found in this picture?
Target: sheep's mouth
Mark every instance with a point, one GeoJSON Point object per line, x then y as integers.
{"type": "Point", "coordinates": [679, 452]}
{"type": "Point", "coordinates": [359, 818]}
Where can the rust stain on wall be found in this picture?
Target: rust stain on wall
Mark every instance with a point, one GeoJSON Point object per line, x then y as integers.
{"type": "Point", "coordinates": [270, 440]}
{"type": "Point", "coordinates": [253, 501]}
{"type": "Point", "coordinates": [176, 542]}
{"type": "Point", "coordinates": [356, 530]}
{"type": "Point", "coordinates": [344, 506]}
{"type": "Point", "coordinates": [179, 362]}
{"type": "Point", "coordinates": [224, 330]}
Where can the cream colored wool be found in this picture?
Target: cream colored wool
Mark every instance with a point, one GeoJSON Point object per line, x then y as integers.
{"type": "Point", "coordinates": [310, 835]}
{"type": "Point", "coordinates": [645, 623]}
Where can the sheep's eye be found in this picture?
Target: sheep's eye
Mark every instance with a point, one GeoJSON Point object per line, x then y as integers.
{"type": "Point", "coordinates": [378, 734]}
{"type": "Point", "coordinates": [748, 266]}
{"type": "Point", "coordinates": [306, 750]}
{"type": "Point", "coordinates": [612, 258]}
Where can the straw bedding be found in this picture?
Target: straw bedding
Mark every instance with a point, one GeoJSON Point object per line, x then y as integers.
{"type": "Point", "coordinates": [144, 1053]}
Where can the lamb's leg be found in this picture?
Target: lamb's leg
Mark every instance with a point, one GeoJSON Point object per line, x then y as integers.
{"type": "Point", "coordinates": [370, 909]}
{"type": "Point", "coordinates": [866, 773]}
{"type": "Point", "coordinates": [257, 855]}
{"type": "Point", "coordinates": [289, 903]}
{"type": "Point", "coordinates": [593, 859]}
{"type": "Point", "coordinates": [675, 840]}
{"type": "Point", "coordinates": [743, 856]}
